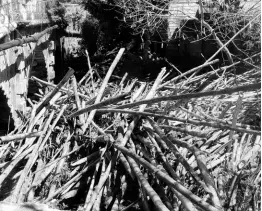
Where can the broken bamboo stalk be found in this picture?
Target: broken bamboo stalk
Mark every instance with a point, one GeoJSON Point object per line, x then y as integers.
{"type": "Point", "coordinates": [101, 104]}
{"type": "Point", "coordinates": [56, 89]}
{"type": "Point", "coordinates": [168, 180]}
{"type": "Point", "coordinates": [18, 195]}
{"type": "Point", "coordinates": [150, 94]}
{"type": "Point", "coordinates": [250, 87]}
{"type": "Point", "coordinates": [33, 78]}
{"type": "Point", "coordinates": [18, 137]}
{"type": "Point", "coordinates": [103, 87]}
{"type": "Point", "coordinates": [145, 184]}
{"type": "Point", "coordinates": [189, 121]}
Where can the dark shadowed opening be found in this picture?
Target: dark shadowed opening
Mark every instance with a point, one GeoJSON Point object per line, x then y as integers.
{"type": "Point", "coordinates": [6, 122]}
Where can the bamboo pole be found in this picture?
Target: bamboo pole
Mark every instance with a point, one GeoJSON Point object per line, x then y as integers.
{"type": "Point", "coordinates": [32, 38]}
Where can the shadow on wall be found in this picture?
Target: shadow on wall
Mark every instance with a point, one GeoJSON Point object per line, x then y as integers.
{"type": "Point", "coordinates": [38, 70]}
{"type": "Point", "coordinates": [6, 121]}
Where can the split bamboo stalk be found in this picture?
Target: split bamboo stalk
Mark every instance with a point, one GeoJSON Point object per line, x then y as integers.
{"type": "Point", "coordinates": [174, 149]}
{"type": "Point", "coordinates": [101, 182]}
{"type": "Point", "coordinates": [144, 183]}
{"type": "Point", "coordinates": [77, 99]}
{"type": "Point", "coordinates": [138, 92]}
{"type": "Point", "coordinates": [33, 78]}
{"type": "Point", "coordinates": [201, 162]}
{"type": "Point", "coordinates": [13, 163]}
{"type": "Point", "coordinates": [17, 195]}
{"type": "Point", "coordinates": [207, 177]}
{"type": "Point", "coordinates": [91, 187]}
{"type": "Point", "coordinates": [58, 87]}
{"type": "Point", "coordinates": [188, 121]}
{"type": "Point", "coordinates": [26, 207]}
{"type": "Point", "coordinates": [102, 88]}
{"type": "Point", "coordinates": [186, 131]}
{"type": "Point", "coordinates": [120, 136]}
{"type": "Point", "coordinates": [142, 107]}
{"type": "Point", "coordinates": [89, 69]}
{"type": "Point", "coordinates": [41, 142]}
{"type": "Point", "coordinates": [73, 180]}
{"type": "Point", "coordinates": [145, 204]}
{"type": "Point", "coordinates": [227, 91]}
{"type": "Point", "coordinates": [18, 137]}
{"type": "Point", "coordinates": [43, 111]}
{"type": "Point", "coordinates": [58, 159]}
{"type": "Point", "coordinates": [168, 180]}
{"type": "Point", "coordinates": [186, 203]}
{"type": "Point", "coordinates": [40, 176]}
{"type": "Point", "coordinates": [87, 158]}
{"type": "Point", "coordinates": [97, 203]}
{"type": "Point", "coordinates": [162, 193]}
{"type": "Point", "coordinates": [59, 166]}
{"type": "Point", "coordinates": [167, 164]}
{"type": "Point", "coordinates": [101, 104]}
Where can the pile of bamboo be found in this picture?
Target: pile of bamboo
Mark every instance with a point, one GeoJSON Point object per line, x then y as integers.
{"type": "Point", "coordinates": [190, 143]}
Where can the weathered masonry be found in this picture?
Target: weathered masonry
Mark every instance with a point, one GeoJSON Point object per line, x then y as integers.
{"type": "Point", "coordinates": [22, 21]}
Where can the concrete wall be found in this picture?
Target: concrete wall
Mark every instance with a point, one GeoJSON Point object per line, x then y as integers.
{"type": "Point", "coordinates": [24, 10]}
{"type": "Point", "coordinates": [15, 66]}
